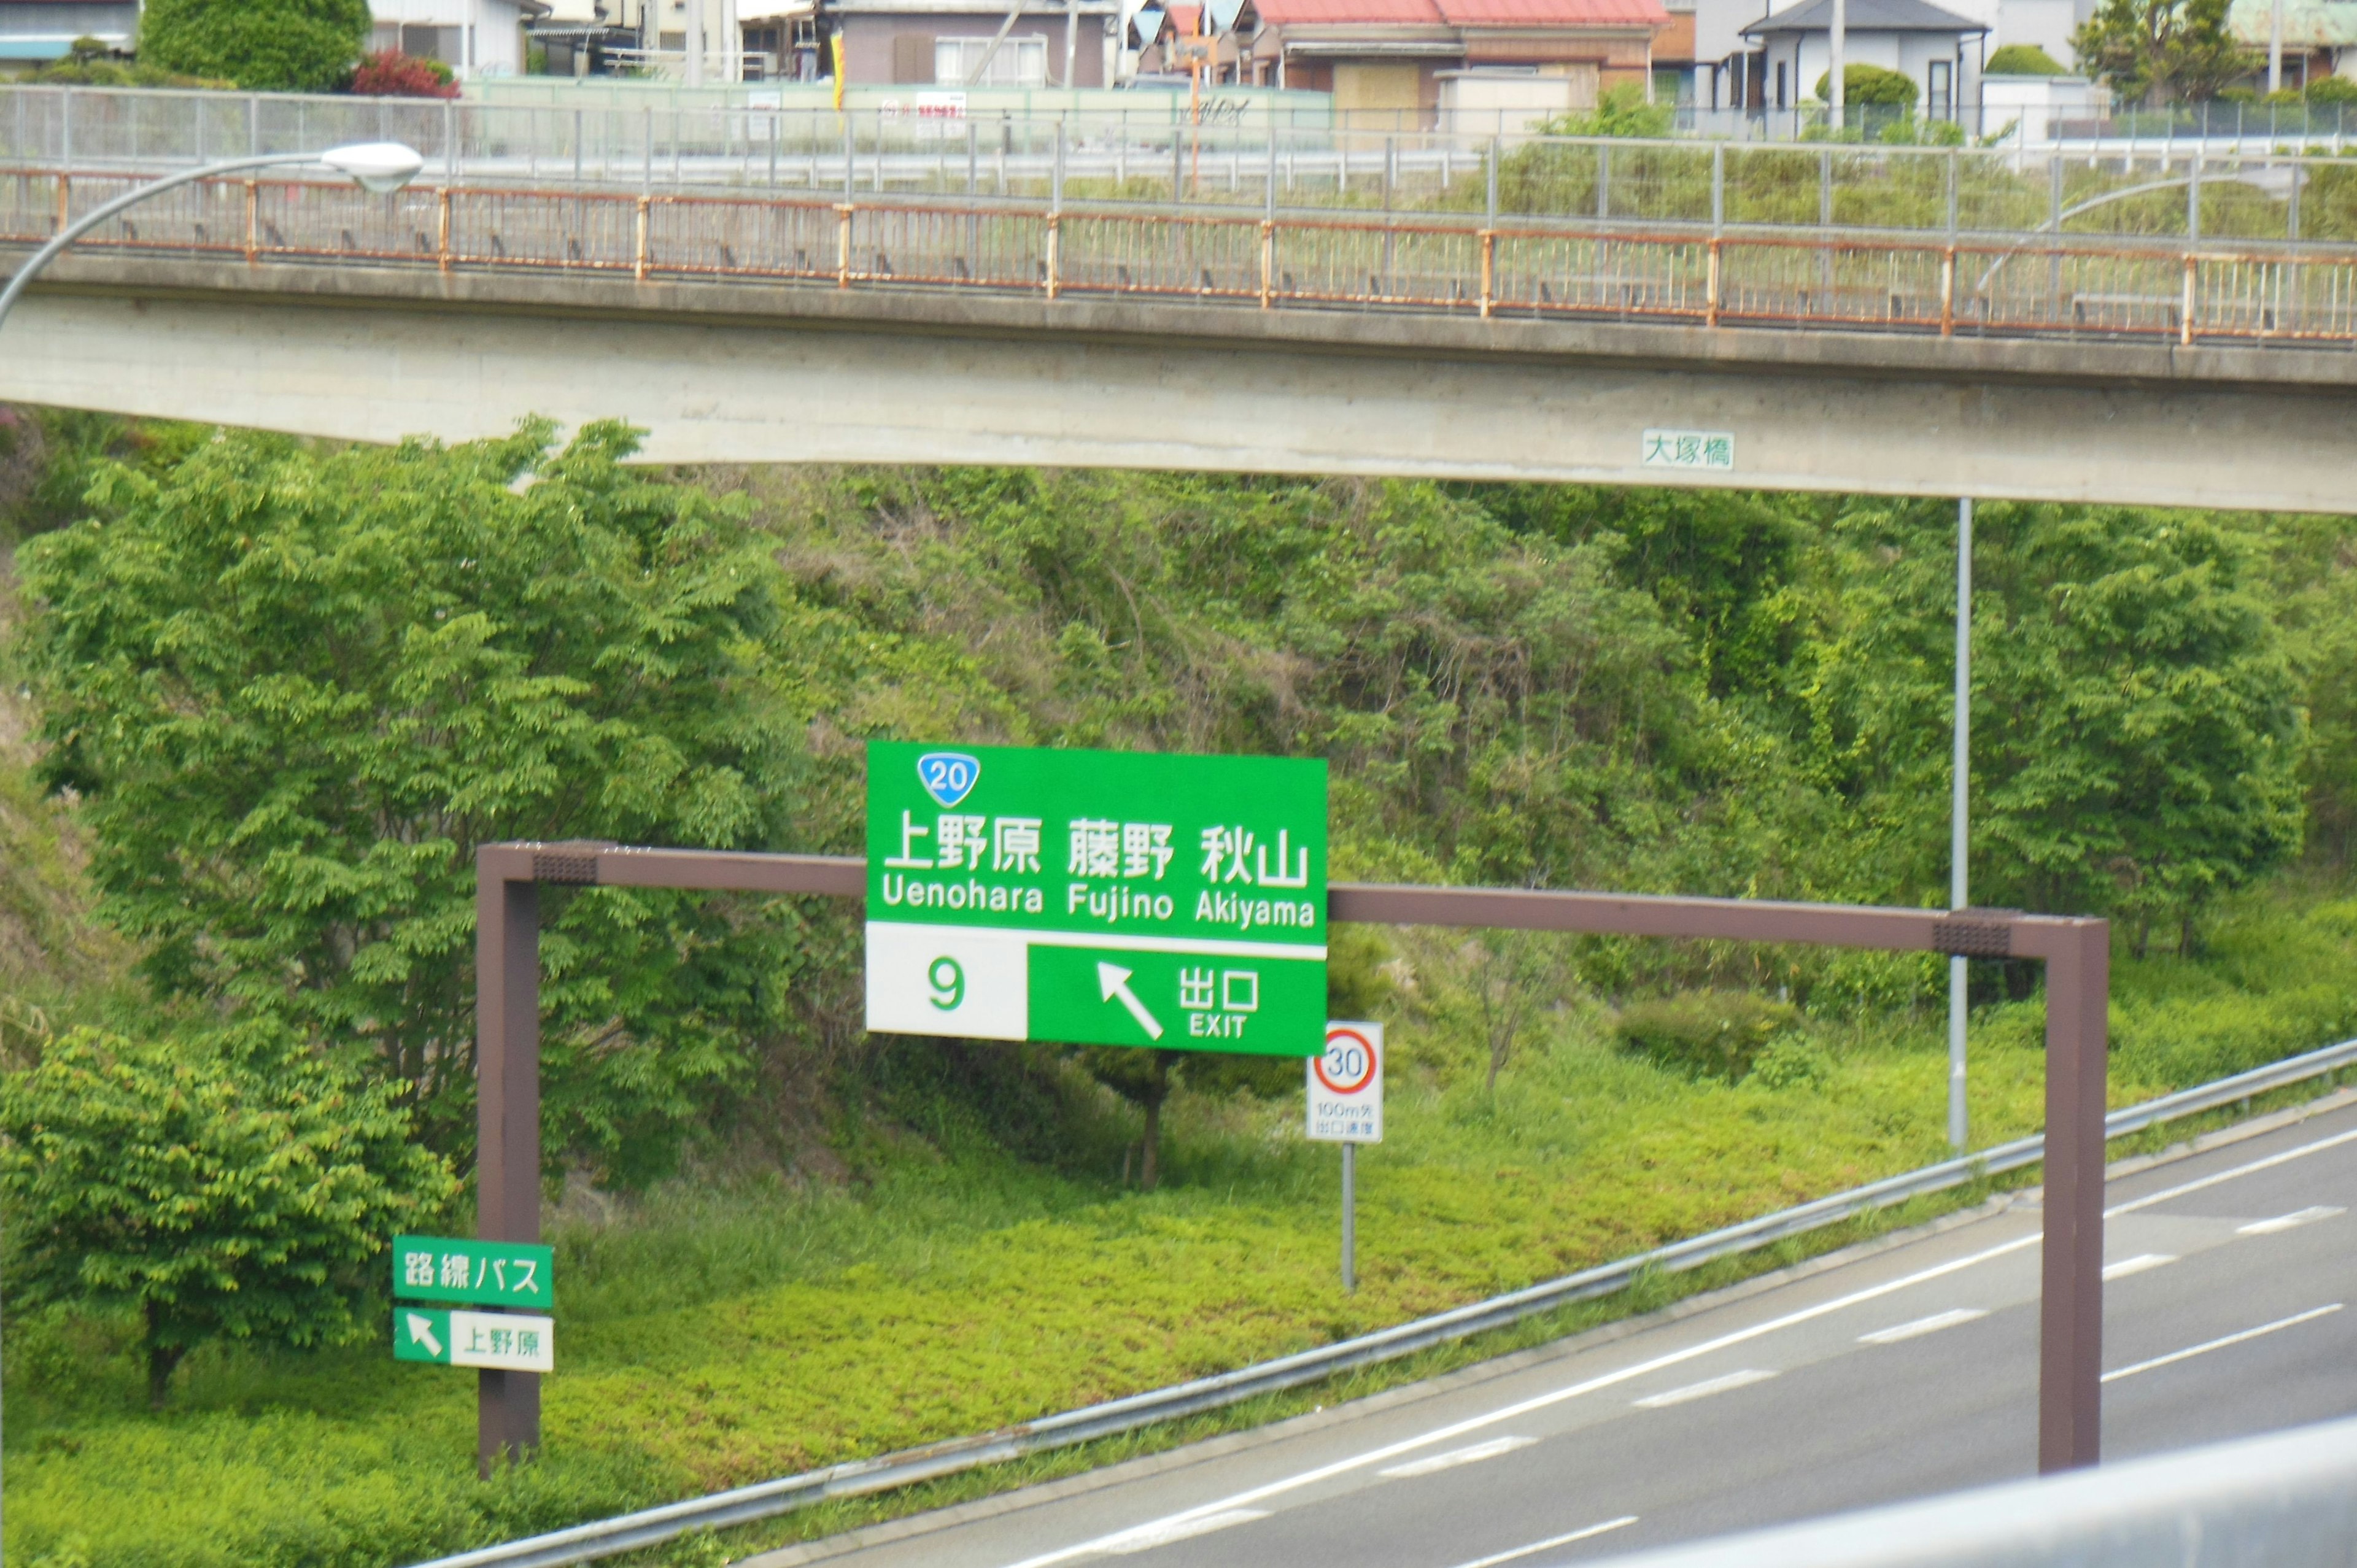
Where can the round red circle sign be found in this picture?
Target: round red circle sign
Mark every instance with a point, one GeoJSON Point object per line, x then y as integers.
{"type": "Point", "coordinates": [1349, 1064]}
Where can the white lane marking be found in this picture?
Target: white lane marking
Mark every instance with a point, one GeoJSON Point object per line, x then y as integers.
{"type": "Point", "coordinates": [1162, 1533]}
{"type": "Point", "coordinates": [1921, 1325]}
{"type": "Point", "coordinates": [1704, 1389]}
{"type": "Point", "coordinates": [2268, 1164]}
{"type": "Point", "coordinates": [1456, 1456]}
{"type": "Point", "coordinates": [1553, 1397]}
{"type": "Point", "coordinates": [1623, 1522]}
{"type": "Point", "coordinates": [2136, 1265]}
{"type": "Point", "coordinates": [1736, 1336]}
{"type": "Point", "coordinates": [2192, 1350]}
{"type": "Point", "coordinates": [2292, 1221]}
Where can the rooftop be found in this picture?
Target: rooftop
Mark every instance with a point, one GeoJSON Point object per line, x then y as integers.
{"type": "Point", "coordinates": [1463, 13]}
{"type": "Point", "coordinates": [1864, 16]}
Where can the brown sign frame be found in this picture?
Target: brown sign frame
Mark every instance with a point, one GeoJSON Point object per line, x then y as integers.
{"type": "Point", "coordinates": [2076, 951]}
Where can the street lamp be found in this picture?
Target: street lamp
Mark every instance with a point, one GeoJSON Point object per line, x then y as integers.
{"type": "Point", "coordinates": [380, 166]}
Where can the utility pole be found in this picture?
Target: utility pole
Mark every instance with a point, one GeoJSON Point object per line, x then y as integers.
{"type": "Point", "coordinates": [1839, 41]}
{"type": "Point", "coordinates": [1959, 808]}
{"type": "Point", "coordinates": [2275, 47]}
{"type": "Point", "coordinates": [694, 42]}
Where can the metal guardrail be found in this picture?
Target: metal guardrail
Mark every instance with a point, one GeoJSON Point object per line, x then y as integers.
{"type": "Point", "coordinates": [859, 1478]}
{"type": "Point", "coordinates": [2287, 1499]}
{"type": "Point", "coordinates": [1990, 285]}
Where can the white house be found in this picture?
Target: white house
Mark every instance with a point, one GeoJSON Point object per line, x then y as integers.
{"type": "Point", "coordinates": [473, 37]}
{"type": "Point", "coordinates": [43, 30]}
{"type": "Point", "coordinates": [1940, 50]}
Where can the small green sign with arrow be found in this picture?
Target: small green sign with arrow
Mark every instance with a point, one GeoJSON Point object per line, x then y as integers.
{"type": "Point", "coordinates": [504, 1341]}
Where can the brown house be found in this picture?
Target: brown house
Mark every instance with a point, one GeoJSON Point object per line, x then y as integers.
{"type": "Point", "coordinates": [1390, 60]}
{"type": "Point", "coordinates": [963, 43]}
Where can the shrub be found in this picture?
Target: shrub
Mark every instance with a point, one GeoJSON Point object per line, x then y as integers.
{"type": "Point", "coordinates": [276, 46]}
{"type": "Point", "coordinates": [1869, 84]}
{"type": "Point", "coordinates": [2023, 60]}
{"type": "Point", "coordinates": [1708, 1034]}
{"type": "Point", "coordinates": [232, 1187]}
{"type": "Point", "coordinates": [389, 73]}
{"type": "Point", "coordinates": [2332, 90]}
{"type": "Point", "coordinates": [1790, 1061]}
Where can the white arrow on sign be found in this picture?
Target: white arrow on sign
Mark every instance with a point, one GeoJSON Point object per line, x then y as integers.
{"type": "Point", "coordinates": [1113, 980]}
{"type": "Point", "coordinates": [421, 1332]}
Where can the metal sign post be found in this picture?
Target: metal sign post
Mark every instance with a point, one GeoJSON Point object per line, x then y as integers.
{"type": "Point", "coordinates": [2076, 952]}
{"type": "Point", "coordinates": [1345, 1086]}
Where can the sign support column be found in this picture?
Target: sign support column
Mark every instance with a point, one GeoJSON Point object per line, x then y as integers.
{"type": "Point", "coordinates": [1350, 1216]}
{"type": "Point", "coordinates": [1959, 813]}
{"type": "Point", "coordinates": [507, 1116]}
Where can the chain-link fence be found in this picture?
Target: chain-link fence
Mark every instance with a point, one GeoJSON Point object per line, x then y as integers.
{"type": "Point", "coordinates": [2144, 187]}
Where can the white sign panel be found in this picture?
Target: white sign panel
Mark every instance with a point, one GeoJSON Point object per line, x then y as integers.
{"type": "Point", "coordinates": [1688, 449]}
{"type": "Point", "coordinates": [504, 1341]}
{"type": "Point", "coordinates": [1346, 1086]}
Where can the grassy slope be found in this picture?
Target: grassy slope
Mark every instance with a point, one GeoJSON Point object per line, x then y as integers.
{"type": "Point", "coordinates": [715, 1338]}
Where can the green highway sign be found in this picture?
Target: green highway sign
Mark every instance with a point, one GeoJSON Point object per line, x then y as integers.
{"type": "Point", "coordinates": [491, 1273]}
{"type": "Point", "coordinates": [1097, 898]}
{"type": "Point", "coordinates": [505, 1341]}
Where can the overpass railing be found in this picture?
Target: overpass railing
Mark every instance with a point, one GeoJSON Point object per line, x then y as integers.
{"type": "Point", "coordinates": [2289, 189]}
{"type": "Point", "coordinates": [1460, 263]}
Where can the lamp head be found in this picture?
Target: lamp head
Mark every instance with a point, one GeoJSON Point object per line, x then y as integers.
{"type": "Point", "coordinates": [380, 166]}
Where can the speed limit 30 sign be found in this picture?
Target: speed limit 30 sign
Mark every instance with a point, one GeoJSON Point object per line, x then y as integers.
{"type": "Point", "coordinates": [1346, 1086]}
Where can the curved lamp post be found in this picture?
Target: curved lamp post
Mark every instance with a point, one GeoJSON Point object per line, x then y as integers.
{"type": "Point", "coordinates": [382, 167]}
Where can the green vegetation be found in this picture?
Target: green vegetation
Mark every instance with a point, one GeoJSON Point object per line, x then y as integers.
{"type": "Point", "coordinates": [1867, 85]}
{"type": "Point", "coordinates": [270, 46]}
{"type": "Point", "coordinates": [294, 692]}
{"type": "Point", "coordinates": [2024, 59]}
{"type": "Point", "coordinates": [266, 697]}
{"type": "Point", "coordinates": [2161, 51]}
{"type": "Point", "coordinates": [228, 1188]}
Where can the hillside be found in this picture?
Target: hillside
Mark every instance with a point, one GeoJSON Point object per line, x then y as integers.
{"type": "Point", "coordinates": [784, 1242]}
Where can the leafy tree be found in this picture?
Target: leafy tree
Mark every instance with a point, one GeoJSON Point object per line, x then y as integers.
{"type": "Point", "coordinates": [231, 1186]}
{"type": "Point", "coordinates": [295, 689]}
{"type": "Point", "coordinates": [1145, 1078]}
{"type": "Point", "coordinates": [271, 46]}
{"type": "Point", "coordinates": [2136, 727]}
{"type": "Point", "coordinates": [2161, 51]}
{"type": "Point", "coordinates": [2024, 59]}
{"type": "Point", "coordinates": [1869, 84]}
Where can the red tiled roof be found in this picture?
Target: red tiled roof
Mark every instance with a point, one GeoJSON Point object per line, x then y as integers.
{"type": "Point", "coordinates": [1553, 12]}
{"type": "Point", "coordinates": [1347, 12]}
{"type": "Point", "coordinates": [1463, 13]}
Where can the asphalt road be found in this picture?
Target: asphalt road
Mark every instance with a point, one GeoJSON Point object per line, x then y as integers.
{"type": "Point", "coordinates": [1911, 1370]}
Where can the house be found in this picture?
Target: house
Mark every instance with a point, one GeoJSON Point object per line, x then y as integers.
{"type": "Point", "coordinates": [2319, 37]}
{"type": "Point", "coordinates": [1938, 49]}
{"type": "Point", "coordinates": [1406, 62]}
{"type": "Point", "coordinates": [38, 32]}
{"type": "Point", "coordinates": [473, 37]}
{"type": "Point", "coordinates": [975, 43]}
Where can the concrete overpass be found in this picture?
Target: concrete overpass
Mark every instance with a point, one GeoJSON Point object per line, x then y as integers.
{"type": "Point", "coordinates": [768, 330]}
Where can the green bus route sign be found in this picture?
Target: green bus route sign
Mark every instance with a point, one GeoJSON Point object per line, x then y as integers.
{"type": "Point", "coordinates": [509, 1274]}
{"type": "Point", "coordinates": [1097, 898]}
{"type": "Point", "coordinates": [487, 1273]}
